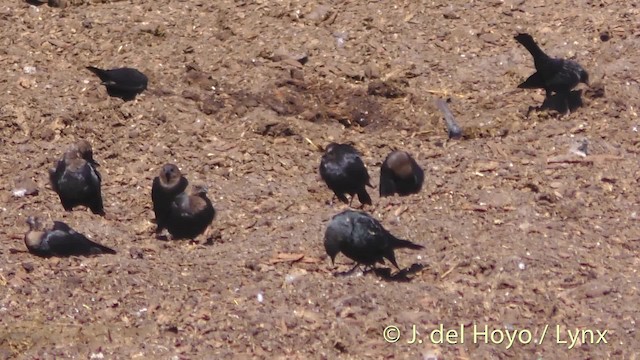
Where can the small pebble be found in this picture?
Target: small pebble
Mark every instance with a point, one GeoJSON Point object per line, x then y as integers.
{"type": "Point", "coordinates": [28, 267]}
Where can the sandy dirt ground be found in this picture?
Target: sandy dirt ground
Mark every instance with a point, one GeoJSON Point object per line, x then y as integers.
{"type": "Point", "coordinates": [523, 235]}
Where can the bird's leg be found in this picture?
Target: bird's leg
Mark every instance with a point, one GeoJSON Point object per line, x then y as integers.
{"type": "Point", "coordinates": [348, 272]}
{"type": "Point", "coordinates": [356, 266]}
{"type": "Point", "coordinates": [566, 104]}
{"type": "Point", "coordinates": [193, 244]}
{"type": "Point", "coordinates": [370, 268]}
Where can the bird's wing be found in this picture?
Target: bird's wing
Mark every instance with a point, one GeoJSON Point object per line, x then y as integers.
{"type": "Point", "coordinates": [91, 177]}
{"type": "Point", "coordinates": [369, 232]}
{"type": "Point", "coordinates": [59, 242]}
{"type": "Point", "coordinates": [181, 205]}
{"type": "Point", "coordinates": [567, 75]}
{"type": "Point", "coordinates": [95, 171]}
{"type": "Point", "coordinates": [355, 167]}
{"type": "Point", "coordinates": [156, 190]}
{"type": "Point", "coordinates": [59, 225]}
{"type": "Point", "coordinates": [56, 173]}
{"type": "Point", "coordinates": [387, 184]}
{"type": "Point", "coordinates": [418, 172]}
{"type": "Point", "coordinates": [127, 79]}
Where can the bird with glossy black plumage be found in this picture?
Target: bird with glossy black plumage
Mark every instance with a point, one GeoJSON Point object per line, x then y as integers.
{"type": "Point", "coordinates": [343, 171]}
{"type": "Point", "coordinates": [362, 239]}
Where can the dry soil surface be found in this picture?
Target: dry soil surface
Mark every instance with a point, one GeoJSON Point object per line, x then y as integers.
{"type": "Point", "coordinates": [523, 232]}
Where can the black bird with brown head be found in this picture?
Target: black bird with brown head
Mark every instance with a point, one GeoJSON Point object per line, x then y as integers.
{"type": "Point", "coordinates": [166, 187]}
{"type": "Point", "coordinates": [190, 215]}
{"type": "Point", "coordinates": [400, 174]}
{"type": "Point", "coordinates": [61, 240]}
{"type": "Point", "coordinates": [76, 180]}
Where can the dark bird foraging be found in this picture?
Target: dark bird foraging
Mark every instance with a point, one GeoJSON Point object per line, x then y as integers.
{"type": "Point", "coordinates": [166, 186]}
{"type": "Point", "coordinates": [190, 215]}
{"type": "Point", "coordinates": [400, 174]}
{"type": "Point", "coordinates": [60, 240]}
{"type": "Point", "coordinates": [343, 171]}
{"type": "Point", "coordinates": [554, 75]}
{"type": "Point", "coordinates": [453, 129]}
{"type": "Point", "coordinates": [124, 83]}
{"type": "Point", "coordinates": [362, 238]}
{"type": "Point", "coordinates": [76, 179]}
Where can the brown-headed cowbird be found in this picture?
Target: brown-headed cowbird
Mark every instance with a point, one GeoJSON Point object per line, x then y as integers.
{"type": "Point", "coordinates": [76, 179]}
{"type": "Point", "coordinates": [401, 174]}
{"type": "Point", "coordinates": [190, 215]}
{"type": "Point", "coordinates": [166, 186]}
{"type": "Point", "coordinates": [60, 240]}
{"type": "Point", "coordinates": [343, 171]}
{"type": "Point", "coordinates": [552, 74]}
{"type": "Point", "coordinates": [362, 238]}
{"type": "Point", "coordinates": [124, 83]}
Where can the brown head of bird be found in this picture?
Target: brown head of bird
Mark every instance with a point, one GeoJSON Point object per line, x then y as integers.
{"type": "Point", "coordinates": [33, 237]}
{"type": "Point", "coordinates": [169, 176]}
{"type": "Point", "coordinates": [400, 163]}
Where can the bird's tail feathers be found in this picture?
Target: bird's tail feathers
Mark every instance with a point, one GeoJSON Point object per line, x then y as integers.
{"type": "Point", "coordinates": [400, 243]}
{"type": "Point", "coordinates": [102, 74]}
{"type": "Point", "coordinates": [364, 197]}
{"type": "Point", "coordinates": [527, 41]}
{"type": "Point", "coordinates": [104, 249]}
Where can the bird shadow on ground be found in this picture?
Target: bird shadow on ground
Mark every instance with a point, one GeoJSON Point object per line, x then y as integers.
{"type": "Point", "coordinates": [557, 102]}
{"type": "Point", "coordinates": [162, 237]}
{"type": "Point", "coordinates": [385, 274]}
{"type": "Point", "coordinates": [404, 275]}
{"type": "Point", "coordinates": [35, 2]}
{"type": "Point", "coordinates": [210, 240]}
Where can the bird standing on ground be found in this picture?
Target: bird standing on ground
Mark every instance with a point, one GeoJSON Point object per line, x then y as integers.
{"type": "Point", "coordinates": [60, 240]}
{"type": "Point", "coordinates": [362, 238]}
{"type": "Point", "coordinates": [401, 174]}
{"type": "Point", "coordinates": [343, 171]}
{"type": "Point", "coordinates": [166, 186]}
{"type": "Point", "coordinates": [124, 83]}
{"type": "Point", "coordinates": [190, 215]}
{"type": "Point", "coordinates": [552, 74]}
{"type": "Point", "coordinates": [76, 180]}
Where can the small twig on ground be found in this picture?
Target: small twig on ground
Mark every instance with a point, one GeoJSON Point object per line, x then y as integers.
{"type": "Point", "coordinates": [455, 132]}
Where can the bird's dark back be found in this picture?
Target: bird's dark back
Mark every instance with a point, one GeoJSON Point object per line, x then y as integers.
{"type": "Point", "coordinates": [343, 163]}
